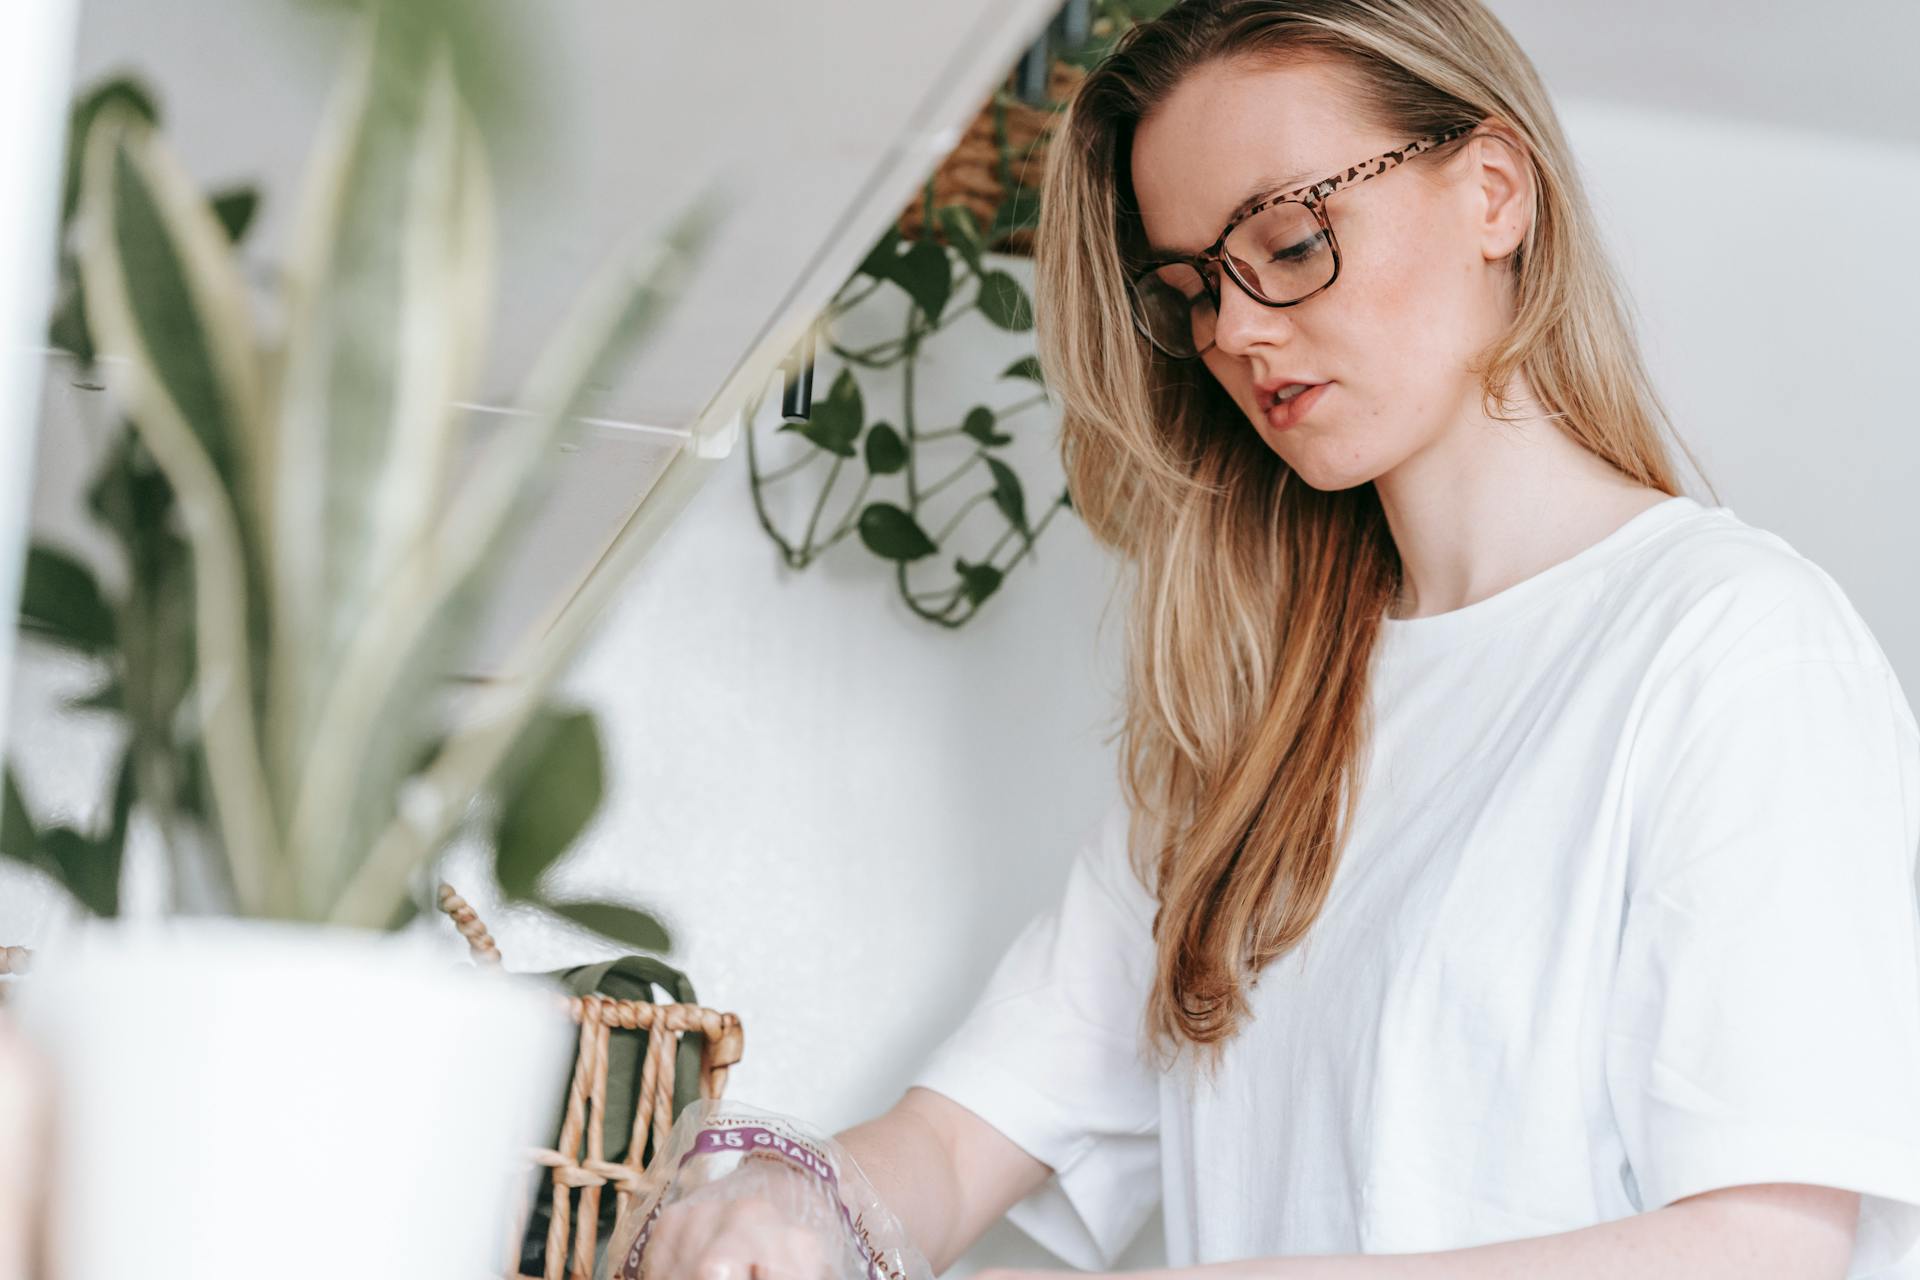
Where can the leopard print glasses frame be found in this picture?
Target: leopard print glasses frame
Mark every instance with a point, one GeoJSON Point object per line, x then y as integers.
{"type": "Point", "coordinates": [1313, 197]}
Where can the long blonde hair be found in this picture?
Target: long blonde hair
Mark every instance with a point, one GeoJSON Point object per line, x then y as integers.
{"type": "Point", "coordinates": [1256, 600]}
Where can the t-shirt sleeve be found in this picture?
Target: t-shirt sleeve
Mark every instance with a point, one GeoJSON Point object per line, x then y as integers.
{"type": "Point", "coordinates": [1765, 1020]}
{"type": "Point", "coordinates": [1052, 1056]}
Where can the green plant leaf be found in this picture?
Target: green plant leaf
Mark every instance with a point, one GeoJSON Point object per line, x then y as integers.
{"type": "Point", "coordinates": [963, 233]}
{"type": "Point", "coordinates": [125, 792]}
{"type": "Point", "coordinates": [978, 581]}
{"type": "Point", "coordinates": [1025, 367]}
{"type": "Point", "coordinates": [380, 323]}
{"type": "Point", "coordinates": [109, 697]}
{"type": "Point", "coordinates": [550, 794]}
{"type": "Point", "coordinates": [893, 534]}
{"type": "Point", "coordinates": [1008, 496]}
{"type": "Point", "coordinates": [235, 210]}
{"type": "Point", "coordinates": [979, 424]}
{"type": "Point", "coordinates": [130, 495]}
{"type": "Point", "coordinates": [883, 259]}
{"type": "Point", "coordinates": [86, 868]}
{"type": "Point", "coordinates": [926, 273]}
{"type": "Point", "coordinates": [886, 451]}
{"type": "Point", "coordinates": [836, 421]}
{"type": "Point", "coordinates": [824, 435]}
{"type": "Point", "coordinates": [61, 603]}
{"type": "Point", "coordinates": [623, 302]}
{"type": "Point", "coordinates": [130, 95]}
{"type": "Point", "coordinates": [1004, 302]}
{"type": "Point", "coordinates": [191, 786]}
{"type": "Point", "coordinates": [389, 288]}
{"type": "Point", "coordinates": [68, 330]}
{"type": "Point", "coordinates": [19, 837]}
{"type": "Point", "coordinates": [183, 303]}
{"type": "Point", "coordinates": [164, 294]}
{"type": "Point", "coordinates": [132, 499]}
{"type": "Point", "coordinates": [1019, 209]}
{"type": "Point", "coordinates": [626, 925]}
{"type": "Point", "coordinates": [403, 915]}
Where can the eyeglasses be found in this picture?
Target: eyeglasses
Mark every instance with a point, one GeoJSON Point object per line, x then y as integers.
{"type": "Point", "coordinates": [1280, 251]}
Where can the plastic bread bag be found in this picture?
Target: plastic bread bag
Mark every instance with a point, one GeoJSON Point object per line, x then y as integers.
{"type": "Point", "coordinates": [724, 1150]}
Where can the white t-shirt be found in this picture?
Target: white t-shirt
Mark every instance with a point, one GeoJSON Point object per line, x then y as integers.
{"type": "Point", "coordinates": [1628, 914]}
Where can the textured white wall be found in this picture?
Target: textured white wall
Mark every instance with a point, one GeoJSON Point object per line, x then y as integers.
{"type": "Point", "coordinates": [847, 814]}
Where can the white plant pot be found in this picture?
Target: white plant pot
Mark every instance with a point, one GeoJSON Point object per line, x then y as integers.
{"type": "Point", "coordinates": [237, 1099]}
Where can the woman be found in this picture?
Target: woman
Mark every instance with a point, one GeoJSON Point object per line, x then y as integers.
{"type": "Point", "coordinates": [1515, 869]}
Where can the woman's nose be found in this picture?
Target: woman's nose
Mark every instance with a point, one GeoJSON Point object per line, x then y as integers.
{"type": "Point", "coordinates": [1241, 321]}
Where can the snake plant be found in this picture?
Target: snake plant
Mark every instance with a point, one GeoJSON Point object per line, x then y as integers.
{"type": "Point", "coordinates": [334, 566]}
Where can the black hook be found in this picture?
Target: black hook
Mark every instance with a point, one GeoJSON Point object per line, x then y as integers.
{"type": "Point", "coordinates": [1068, 29]}
{"type": "Point", "coordinates": [1076, 23]}
{"type": "Point", "coordinates": [1031, 79]}
{"type": "Point", "coordinates": [796, 401]}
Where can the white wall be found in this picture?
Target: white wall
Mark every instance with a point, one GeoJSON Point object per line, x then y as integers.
{"type": "Point", "coordinates": [847, 813]}
{"type": "Point", "coordinates": [1775, 274]}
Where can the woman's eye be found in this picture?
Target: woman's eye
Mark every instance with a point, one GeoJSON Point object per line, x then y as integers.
{"type": "Point", "coordinates": [1306, 248]}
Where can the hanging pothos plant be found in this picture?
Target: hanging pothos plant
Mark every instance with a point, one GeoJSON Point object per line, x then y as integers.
{"type": "Point", "coordinates": [919, 461]}
{"type": "Point", "coordinates": [918, 482]}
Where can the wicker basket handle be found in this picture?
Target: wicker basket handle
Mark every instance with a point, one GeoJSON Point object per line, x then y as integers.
{"type": "Point", "coordinates": [471, 927]}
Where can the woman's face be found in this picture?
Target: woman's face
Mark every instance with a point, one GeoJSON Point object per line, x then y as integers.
{"type": "Point", "coordinates": [1421, 289]}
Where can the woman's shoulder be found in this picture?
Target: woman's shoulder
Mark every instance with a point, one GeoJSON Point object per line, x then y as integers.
{"type": "Point", "coordinates": [1720, 591]}
{"type": "Point", "coordinates": [1118, 855]}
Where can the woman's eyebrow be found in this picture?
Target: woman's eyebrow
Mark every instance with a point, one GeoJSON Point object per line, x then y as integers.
{"type": "Point", "coordinates": [1258, 190]}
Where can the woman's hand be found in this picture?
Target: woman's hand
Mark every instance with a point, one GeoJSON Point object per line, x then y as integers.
{"type": "Point", "coordinates": [764, 1221]}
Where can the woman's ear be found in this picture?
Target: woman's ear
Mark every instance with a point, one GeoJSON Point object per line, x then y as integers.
{"type": "Point", "coordinates": [1501, 181]}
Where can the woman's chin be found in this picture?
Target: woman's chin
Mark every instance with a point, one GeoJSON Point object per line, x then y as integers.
{"type": "Point", "coordinates": [1316, 464]}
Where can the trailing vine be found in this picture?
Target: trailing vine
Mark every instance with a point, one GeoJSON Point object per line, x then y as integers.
{"type": "Point", "coordinates": [932, 477]}
{"type": "Point", "coordinates": [925, 462]}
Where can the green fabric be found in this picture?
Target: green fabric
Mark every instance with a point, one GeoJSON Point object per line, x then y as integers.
{"type": "Point", "coordinates": [625, 978]}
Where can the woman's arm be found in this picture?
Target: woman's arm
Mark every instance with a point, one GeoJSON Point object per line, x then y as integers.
{"type": "Point", "coordinates": [945, 1173]}
{"type": "Point", "coordinates": [1770, 1231]}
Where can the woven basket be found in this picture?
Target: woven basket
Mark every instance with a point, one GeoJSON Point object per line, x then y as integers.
{"type": "Point", "coordinates": [580, 1160]}
{"type": "Point", "coordinates": [970, 175]}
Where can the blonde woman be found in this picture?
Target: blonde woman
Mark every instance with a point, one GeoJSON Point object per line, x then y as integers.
{"type": "Point", "coordinates": [1515, 869]}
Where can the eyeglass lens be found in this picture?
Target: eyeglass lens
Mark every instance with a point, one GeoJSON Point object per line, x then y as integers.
{"type": "Point", "coordinates": [1282, 253]}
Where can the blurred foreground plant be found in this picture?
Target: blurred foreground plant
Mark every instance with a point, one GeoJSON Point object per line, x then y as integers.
{"type": "Point", "coordinates": [302, 569]}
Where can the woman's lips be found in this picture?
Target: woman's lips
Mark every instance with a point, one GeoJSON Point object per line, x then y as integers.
{"type": "Point", "coordinates": [1289, 412]}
